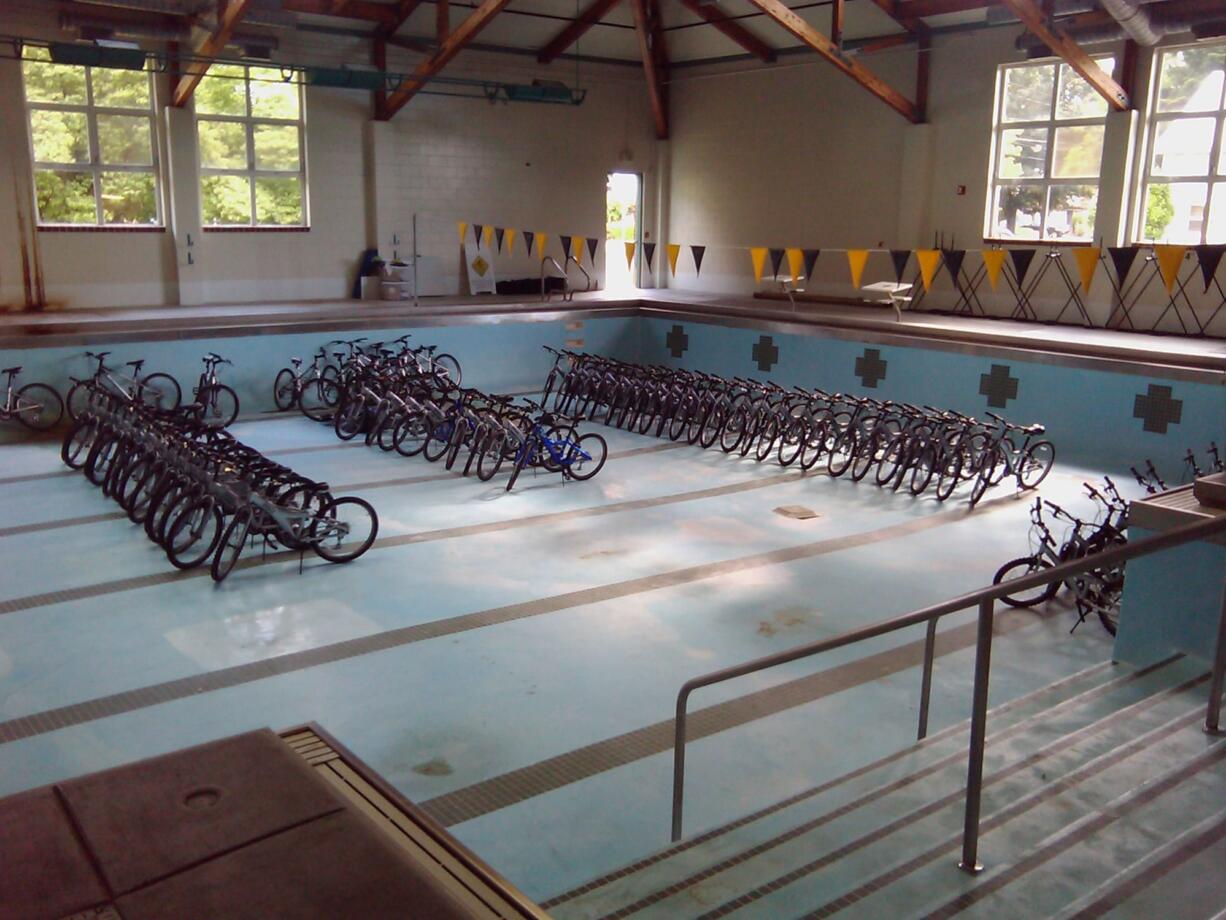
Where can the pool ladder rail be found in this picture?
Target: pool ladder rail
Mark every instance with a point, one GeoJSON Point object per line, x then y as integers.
{"type": "Point", "coordinates": [568, 293]}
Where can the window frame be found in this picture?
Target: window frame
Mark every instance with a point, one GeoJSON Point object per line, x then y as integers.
{"type": "Point", "coordinates": [1213, 180]}
{"type": "Point", "coordinates": [96, 167]}
{"type": "Point", "coordinates": [1047, 181]}
{"type": "Point", "coordinates": [251, 172]}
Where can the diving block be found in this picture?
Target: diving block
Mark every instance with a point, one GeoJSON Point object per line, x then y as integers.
{"type": "Point", "coordinates": [896, 293]}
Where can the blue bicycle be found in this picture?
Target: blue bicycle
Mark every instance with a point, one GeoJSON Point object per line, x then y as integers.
{"type": "Point", "coordinates": [554, 445]}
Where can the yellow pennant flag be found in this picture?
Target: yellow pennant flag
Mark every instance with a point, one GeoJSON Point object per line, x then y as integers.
{"type": "Point", "coordinates": [674, 249]}
{"type": "Point", "coordinates": [1087, 264]}
{"type": "Point", "coordinates": [758, 254]}
{"type": "Point", "coordinates": [993, 260]}
{"type": "Point", "coordinates": [541, 239]}
{"type": "Point", "coordinates": [462, 226]}
{"type": "Point", "coordinates": [508, 240]}
{"type": "Point", "coordinates": [1169, 259]}
{"type": "Point", "coordinates": [486, 235]}
{"type": "Point", "coordinates": [796, 262]}
{"type": "Point", "coordinates": [929, 261]}
{"type": "Point", "coordinates": [629, 255]}
{"type": "Point", "coordinates": [856, 260]}
{"type": "Point", "coordinates": [576, 249]}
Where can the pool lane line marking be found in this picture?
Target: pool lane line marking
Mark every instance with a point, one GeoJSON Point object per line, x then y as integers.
{"type": "Point", "coordinates": [365, 486]}
{"type": "Point", "coordinates": [224, 678]}
{"type": "Point", "coordinates": [34, 477]}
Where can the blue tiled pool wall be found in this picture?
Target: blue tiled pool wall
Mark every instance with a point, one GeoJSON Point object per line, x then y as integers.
{"type": "Point", "coordinates": [1096, 418]}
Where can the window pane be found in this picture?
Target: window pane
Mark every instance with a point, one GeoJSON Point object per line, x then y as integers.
{"type": "Point", "coordinates": [1028, 93]}
{"type": "Point", "coordinates": [271, 96]}
{"type": "Point", "coordinates": [1019, 212]}
{"type": "Point", "coordinates": [225, 200]}
{"type": "Point", "coordinates": [1216, 231]}
{"type": "Point", "coordinates": [1070, 212]}
{"type": "Point", "coordinates": [278, 201]}
{"type": "Point", "coordinates": [223, 144]}
{"type": "Point", "coordinates": [125, 140]}
{"type": "Point", "coordinates": [129, 198]}
{"type": "Point", "coordinates": [1023, 153]}
{"type": "Point", "coordinates": [1077, 98]}
{"type": "Point", "coordinates": [222, 92]}
{"type": "Point", "coordinates": [276, 147]}
{"type": "Point", "coordinates": [1191, 80]}
{"type": "Point", "coordinates": [1175, 211]}
{"type": "Point", "coordinates": [47, 82]}
{"type": "Point", "coordinates": [121, 89]}
{"type": "Point", "coordinates": [65, 197]}
{"type": "Point", "coordinates": [1079, 152]}
{"type": "Point", "coordinates": [1182, 146]}
{"type": "Point", "coordinates": [59, 137]}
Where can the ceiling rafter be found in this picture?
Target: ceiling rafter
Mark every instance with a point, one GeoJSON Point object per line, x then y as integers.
{"type": "Point", "coordinates": [732, 29]}
{"type": "Point", "coordinates": [194, 70]}
{"type": "Point", "coordinates": [571, 33]}
{"type": "Point", "coordinates": [655, 60]}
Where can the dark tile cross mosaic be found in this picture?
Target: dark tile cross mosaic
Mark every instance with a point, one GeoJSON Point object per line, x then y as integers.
{"type": "Point", "coordinates": [766, 353]}
{"type": "Point", "coordinates": [998, 386]}
{"type": "Point", "coordinates": [1157, 409]}
{"type": "Point", "coordinates": [870, 368]}
{"type": "Point", "coordinates": [677, 341]}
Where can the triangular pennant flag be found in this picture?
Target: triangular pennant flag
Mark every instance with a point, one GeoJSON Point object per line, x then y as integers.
{"type": "Point", "coordinates": [511, 241]}
{"type": "Point", "coordinates": [1021, 262]}
{"type": "Point", "coordinates": [758, 255]}
{"type": "Point", "coordinates": [698, 252]}
{"type": "Point", "coordinates": [1087, 264]}
{"type": "Point", "coordinates": [796, 260]}
{"type": "Point", "coordinates": [776, 261]}
{"type": "Point", "coordinates": [953, 262]}
{"type": "Point", "coordinates": [541, 240]}
{"type": "Point", "coordinates": [811, 261]}
{"type": "Point", "coordinates": [929, 261]}
{"type": "Point", "coordinates": [576, 246]}
{"type": "Point", "coordinates": [1122, 258]}
{"type": "Point", "coordinates": [478, 229]}
{"type": "Point", "coordinates": [565, 241]}
{"type": "Point", "coordinates": [649, 253]}
{"type": "Point", "coordinates": [1169, 259]}
{"type": "Point", "coordinates": [856, 260]}
{"type": "Point", "coordinates": [463, 228]}
{"type": "Point", "coordinates": [993, 261]}
{"type": "Point", "coordinates": [592, 243]}
{"type": "Point", "coordinates": [1209, 258]}
{"type": "Point", "coordinates": [498, 235]}
{"type": "Point", "coordinates": [674, 249]}
{"type": "Point", "coordinates": [486, 235]}
{"type": "Point", "coordinates": [900, 258]}
{"type": "Point", "coordinates": [629, 255]}
{"type": "Point", "coordinates": [529, 240]}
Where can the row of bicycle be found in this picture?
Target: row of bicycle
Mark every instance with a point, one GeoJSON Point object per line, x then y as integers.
{"type": "Point", "coordinates": [899, 444]}
{"type": "Point", "coordinates": [201, 494]}
{"type": "Point", "coordinates": [1193, 468]}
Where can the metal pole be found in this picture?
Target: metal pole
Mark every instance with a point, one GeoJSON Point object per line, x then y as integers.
{"type": "Point", "coordinates": [930, 647]}
{"type": "Point", "coordinates": [415, 303]}
{"type": "Point", "coordinates": [979, 722]}
{"type": "Point", "coordinates": [679, 764]}
{"type": "Point", "coordinates": [1213, 713]}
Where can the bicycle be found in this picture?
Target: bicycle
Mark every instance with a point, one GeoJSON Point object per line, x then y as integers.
{"type": "Point", "coordinates": [35, 405]}
{"type": "Point", "coordinates": [218, 403]}
{"type": "Point", "coordinates": [1028, 463]}
{"type": "Point", "coordinates": [157, 390]}
{"type": "Point", "coordinates": [559, 449]}
{"type": "Point", "coordinates": [290, 383]}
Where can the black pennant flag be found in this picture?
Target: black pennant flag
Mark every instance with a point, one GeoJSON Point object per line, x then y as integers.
{"type": "Point", "coordinates": [1122, 257]}
{"type": "Point", "coordinates": [649, 252]}
{"type": "Point", "coordinates": [698, 252]}
{"type": "Point", "coordinates": [477, 228]}
{"type": "Point", "coordinates": [1209, 258]}
{"type": "Point", "coordinates": [900, 258]}
{"type": "Point", "coordinates": [811, 261]}
{"type": "Point", "coordinates": [529, 240]}
{"type": "Point", "coordinates": [498, 234]}
{"type": "Point", "coordinates": [566, 240]}
{"type": "Point", "coordinates": [953, 261]}
{"type": "Point", "coordinates": [776, 260]}
{"type": "Point", "coordinates": [592, 243]}
{"type": "Point", "coordinates": [1021, 262]}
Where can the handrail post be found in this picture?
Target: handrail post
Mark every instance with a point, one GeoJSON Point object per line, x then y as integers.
{"type": "Point", "coordinates": [979, 723]}
{"type": "Point", "coordinates": [930, 646]}
{"type": "Point", "coordinates": [679, 760]}
{"type": "Point", "coordinates": [1213, 713]}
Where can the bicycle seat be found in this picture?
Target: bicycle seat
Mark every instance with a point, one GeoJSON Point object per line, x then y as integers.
{"type": "Point", "coordinates": [1034, 429]}
{"type": "Point", "coordinates": [11, 370]}
{"type": "Point", "coordinates": [295, 361]}
{"type": "Point", "coordinates": [136, 365]}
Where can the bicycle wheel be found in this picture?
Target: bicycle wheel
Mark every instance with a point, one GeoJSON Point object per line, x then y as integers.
{"type": "Point", "coordinates": [77, 400]}
{"type": "Point", "coordinates": [951, 473]}
{"type": "Point", "coordinates": [344, 529]}
{"type": "Point", "coordinates": [220, 406]}
{"type": "Point", "coordinates": [922, 470]}
{"type": "Point", "coordinates": [585, 458]}
{"type": "Point", "coordinates": [100, 458]}
{"type": "Point", "coordinates": [490, 460]}
{"type": "Point", "coordinates": [892, 455]}
{"type": "Point", "coordinates": [39, 407]}
{"type": "Point", "coordinates": [161, 391]}
{"type": "Point", "coordinates": [767, 435]}
{"type": "Point", "coordinates": [78, 443]}
{"type": "Point", "coordinates": [712, 427]}
{"type": "Point", "coordinates": [865, 457]}
{"type": "Point", "coordinates": [1020, 568]}
{"type": "Point", "coordinates": [284, 389]}
{"type": "Point", "coordinates": [349, 418]}
{"type": "Point", "coordinates": [231, 544]}
{"type": "Point", "coordinates": [842, 452]}
{"type": "Point", "coordinates": [410, 435]}
{"type": "Point", "coordinates": [319, 399]}
{"type": "Point", "coordinates": [983, 476]}
{"type": "Point", "coordinates": [447, 369]}
{"type": "Point", "coordinates": [1036, 463]}
{"type": "Point", "coordinates": [192, 537]}
{"type": "Point", "coordinates": [733, 432]}
{"type": "Point", "coordinates": [438, 439]}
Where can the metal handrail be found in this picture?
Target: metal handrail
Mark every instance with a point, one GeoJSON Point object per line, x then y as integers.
{"type": "Point", "coordinates": [579, 266]}
{"type": "Point", "coordinates": [985, 599]}
{"type": "Point", "coordinates": [565, 279]}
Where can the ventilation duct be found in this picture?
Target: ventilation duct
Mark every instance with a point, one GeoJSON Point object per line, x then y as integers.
{"type": "Point", "coordinates": [1162, 19]}
{"type": "Point", "coordinates": [1133, 20]}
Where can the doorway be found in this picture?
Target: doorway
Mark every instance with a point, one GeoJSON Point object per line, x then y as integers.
{"type": "Point", "coordinates": [623, 206]}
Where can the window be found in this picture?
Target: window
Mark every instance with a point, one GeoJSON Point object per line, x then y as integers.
{"type": "Point", "coordinates": [92, 143]}
{"type": "Point", "coordinates": [1047, 152]}
{"type": "Point", "coordinates": [249, 131]}
{"type": "Point", "coordinates": [1184, 199]}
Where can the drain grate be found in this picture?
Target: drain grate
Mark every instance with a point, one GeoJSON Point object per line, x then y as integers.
{"type": "Point", "coordinates": [796, 512]}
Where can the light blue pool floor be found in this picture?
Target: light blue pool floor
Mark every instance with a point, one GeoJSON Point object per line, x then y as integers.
{"type": "Point", "coordinates": [488, 631]}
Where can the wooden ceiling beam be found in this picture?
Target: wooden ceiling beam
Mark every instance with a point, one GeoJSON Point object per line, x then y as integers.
{"type": "Point", "coordinates": [733, 29]}
{"type": "Point", "coordinates": [655, 61]}
{"type": "Point", "coordinates": [837, 17]}
{"type": "Point", "coordinates": [194, 70]}
{"type": "Point", "coordinates": [799, 28]}
{"type": "Point", "coordinates": [595, 11]}
{"type": "Point", "coordinates": [1054, 36]}
{"type": "Point", "coordinates": [468, 30]}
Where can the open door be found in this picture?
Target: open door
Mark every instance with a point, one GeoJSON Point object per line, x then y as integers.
{"type": "Point", "coordinates": [623, 205]}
